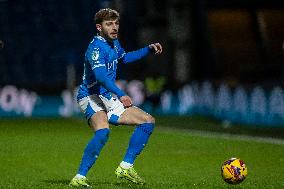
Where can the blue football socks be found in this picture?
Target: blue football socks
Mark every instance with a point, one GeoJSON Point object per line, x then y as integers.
{"type": "Point", "coordinates": [93, 150]}
{"type": "Point", "coordinates": [137, 141]}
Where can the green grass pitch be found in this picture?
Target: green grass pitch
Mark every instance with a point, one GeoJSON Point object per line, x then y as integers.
{"type": "Point", "coordinates": [45, 153]}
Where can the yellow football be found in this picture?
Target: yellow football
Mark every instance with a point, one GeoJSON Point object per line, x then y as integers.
{"type": "Point", "coordinates": [234, 171]}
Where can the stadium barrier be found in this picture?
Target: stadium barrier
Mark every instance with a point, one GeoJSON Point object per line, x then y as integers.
{"type": "Point", "coordinates": [255, 107]}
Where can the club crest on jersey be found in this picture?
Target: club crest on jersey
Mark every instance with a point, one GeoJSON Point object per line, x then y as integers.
{"type": "Point", "coordinates": [95, 55]}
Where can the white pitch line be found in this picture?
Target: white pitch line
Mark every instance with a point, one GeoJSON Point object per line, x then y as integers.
{"type": "Point", "coordinates": [211, 134]}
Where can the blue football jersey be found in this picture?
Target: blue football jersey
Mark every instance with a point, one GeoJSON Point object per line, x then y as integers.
{"type": "Point", "coordinates": [103, 54]}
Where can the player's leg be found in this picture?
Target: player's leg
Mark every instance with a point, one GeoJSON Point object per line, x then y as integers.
{"type": "Point", "coordinates": [117, 115]}
{"type": "Point", "coordinates": [134, 115]}
{"type": "Point", "coordinates": [145, 125]}
{"type": "Point", "coordinates": [98, 121]}
{"type": "Point", "coordinates": [100, 126]}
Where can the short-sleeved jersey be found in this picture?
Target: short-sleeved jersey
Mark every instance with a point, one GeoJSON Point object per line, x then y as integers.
{"type": "Point", "coordinates": [99, 53]}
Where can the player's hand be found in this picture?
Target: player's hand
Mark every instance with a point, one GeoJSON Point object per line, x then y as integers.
{"type": "Point", "coordinates": [126, 101]}
{"type": "Point", "coordinates": [156, 47]}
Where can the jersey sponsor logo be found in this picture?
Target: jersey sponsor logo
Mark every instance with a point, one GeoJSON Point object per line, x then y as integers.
{"type": "Point", "coordinates": [112, 64]}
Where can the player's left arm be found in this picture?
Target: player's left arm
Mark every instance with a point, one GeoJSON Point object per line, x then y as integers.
{"type": "Point", "coordinates": [140, 53]}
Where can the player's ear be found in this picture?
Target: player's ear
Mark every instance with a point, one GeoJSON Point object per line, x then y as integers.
{"type": "Point", "coordinates": [99, 27]}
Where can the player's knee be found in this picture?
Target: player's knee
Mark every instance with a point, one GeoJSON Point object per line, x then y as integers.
{"type": "Point", "coordinates": [148, 125]}
{"type": "Point", "coordinates": [149, 119]}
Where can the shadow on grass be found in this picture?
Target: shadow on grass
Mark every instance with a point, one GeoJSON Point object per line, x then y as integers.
{"type": "Point", "coordinates": [62, 183]}
{"type": "Point", "coordinates": [98, 184]}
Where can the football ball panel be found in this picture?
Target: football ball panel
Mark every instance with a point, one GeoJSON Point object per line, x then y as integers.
{"type": "Point", "coordinates": [234, 171]}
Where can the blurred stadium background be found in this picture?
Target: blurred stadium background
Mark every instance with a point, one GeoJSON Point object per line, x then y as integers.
{"type": "Point", "coordinates": [219, 81]}
{"type": "Point", "coordinates": [222, 59]}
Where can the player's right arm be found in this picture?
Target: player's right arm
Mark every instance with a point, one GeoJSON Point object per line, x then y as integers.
{"type": "Point", "coordinates": [97, 62]}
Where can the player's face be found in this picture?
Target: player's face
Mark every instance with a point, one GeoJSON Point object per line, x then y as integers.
{"type": "Point", "coordinates": [109, 29]}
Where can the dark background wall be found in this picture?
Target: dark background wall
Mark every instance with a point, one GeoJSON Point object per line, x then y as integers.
{"type": "Point", "coordinates": [237, 42]}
